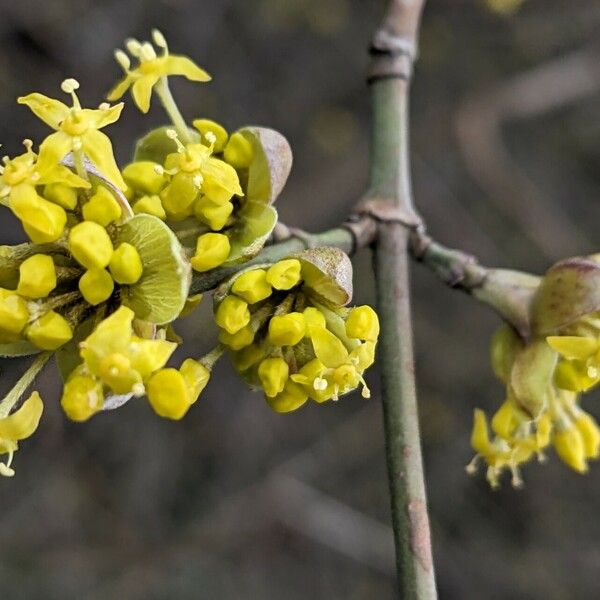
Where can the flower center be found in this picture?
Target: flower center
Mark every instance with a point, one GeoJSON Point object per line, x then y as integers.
{"type": "Point", "coordinates": [75, 124]}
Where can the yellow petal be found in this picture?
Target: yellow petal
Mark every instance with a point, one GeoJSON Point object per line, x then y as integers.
{"type": "Point", "coordinates": [52, 150]}
{"type": "Point", "coordinates": [98, 149]}
{"type": "Point", "coordinates": [120, 88]}
{"type": "Point", "coordinates": [182, 65]}
{"type": "Point", "coordinates": [100, 118]}
{"type": "Point", "coordinates": [49, 110]}
{"type": "Point", "coordinates": [573, 346]}
{"type": "Point", "coordinates": [60, 174]}
{"type": "Point", "coordinates": [480, 440]}
{"type": "Point", "coordinates": [22, 423]}
{"type": "Point", "coordinates": [328, 348]}
{"type": "Point", "coordinates": [217, 173]}
{"type": "Point", "coordinates": [142, 91]}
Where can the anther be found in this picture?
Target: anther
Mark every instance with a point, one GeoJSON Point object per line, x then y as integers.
{"type": "Point", "coordinates": [123, 60]}
{"type": "Point", "coordinates": [147, 52]}
{"type": "Point", "coordinates": [68, 86]}
{"type": "Point", "coordinates": [104, 106]}
{"type": "Point", "coordinates": [211, 138]}
{"type": "Point", "coordinates": [159, 39]}
{"type": "Point", "coordinates": [28, 144]}
{"type": "Point", "coordinates": [198, 180]}
{"type": "Point", "coordinates": [133, 47]}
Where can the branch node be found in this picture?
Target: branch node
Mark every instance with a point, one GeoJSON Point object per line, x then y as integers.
{"type": "Point", "coordinates": [383, 210]}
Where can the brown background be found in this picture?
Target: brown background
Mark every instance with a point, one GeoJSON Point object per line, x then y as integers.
{"type": "Point", "coordinates": [238, 502]}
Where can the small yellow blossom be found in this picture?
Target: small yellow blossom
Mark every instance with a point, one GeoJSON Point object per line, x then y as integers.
{"type": "Point", "coordinates": [362, 323]}
{"type": "Point", "coordinates": [125, 264]}
{"type": "Point", "coordinates": [18, 426]}
{"type": "Point", "coordinates": [273, 374]}
{"type": "Point", "coordinates": [238, 151]}
{"type": "Point", "coordinates": [77, 129]}
{"type": "Point", "coordinates": [214, 215]}
{"type": "Point", "coordinates": [285, 274]}
{"type": "Point", "coordinates": [96, 286]}
{"type": "Point", "coordinates": [150, 205]}
{"type": "Point", "coordinates": [287, 330]}
{"type": "Point", "coordinates": [232, 314]}
{"type": "Point", "coordinates": [291, 398]}
{"type": "Point", "coordinates": [82, 395]}
{"type": "Point", "coordinates": [238, 340]}
{"type": "Point", "coordinates": [13, 315]}
{"type": "Point", "coordinates": [196, 376]}
{"type": "Point", "coordinates": [50, 331]}
{"type": "Point", "coordinates": [212, 250]}
{"type": "Point", "coordinates": [37, 276]}
{"type": "Point", "coordinates": [90, 245]}
{"type": "Point", "coordinates": [252, 286]}
{"type": "Point", "coordinates": [168, 394]}
{"type": "Point", "coordinates": [145, 176]}
{"type": "Point", "coordinates": [151, 69]}
{"type": "Point", "coordinates": [102, 207]}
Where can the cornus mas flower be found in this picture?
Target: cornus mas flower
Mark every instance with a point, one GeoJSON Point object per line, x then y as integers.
{"type": "Point", "coordinates": [109, 267]}
{"type": "Point", "coordinates": [77, 129]}
{"type": "Point", "coordinates": [289, 334]}
{"type": "Point", "coordinates": [151, 69]}
{"type": "Point", "coordinates": [544, 376]}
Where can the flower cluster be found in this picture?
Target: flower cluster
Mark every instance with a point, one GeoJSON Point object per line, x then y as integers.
{"type": "Point", "coordinates": [116, 254]}
{"type": "Point", "coordinates": [545, 376]}
{"type": "Point", "coordinates": [288, 340]}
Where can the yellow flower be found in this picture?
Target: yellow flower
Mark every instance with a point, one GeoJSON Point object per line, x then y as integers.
{"type": "Point", "coordinates": [252, 286]}
{"type": "Point", "coordinates": [102, 207]}
{"type": "Point", "coordinates": [362, 323]}
{"type": "Point", "coordinates": [82, 395]}
{"type": "Point", "coordinates": [90, 245]}
{"type": "Point", "coordinates": [232, 314]}
{"type": "Point", "coordinates": [287, 330]}
{"type": "Point", "coordinates": [273, 374]}
{"type": "Point", "coordinates": [151, 69]}
{"type": "Point", "coordinates": [119, 359]}
{"type": "Point", "coordinates": [212, 250]}
{"type": "Point", "coordinates": [125, 265]}
{"type": "Point", "coordinates": [18, 426]}
{"type": "Point", "coordinates": [37, 276]}
{"type": "Point", "coordinates": [50, 331]}
{"type": "Point", "coordinates": [76, 129]}
{"type": "Point", "coordinates": [22, 174]}
{"type": "Point", "coordinates": [96, 286]}
{"type": "Point", "coordinates": [285, 274]}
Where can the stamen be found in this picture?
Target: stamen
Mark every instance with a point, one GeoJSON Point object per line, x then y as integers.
{"type": "Point", "coordinates": [147, 52]}
{"type": "Point", "coordinates": [172, 134]}
{"type": "Point", "coordinates": [68, 86]}
{"type": "Point", "coordinates": [5, 469]}
{"type": "Point", "coordinates": [123, 60]}
{"type": "Point", "coordinates": [471, 468]}
{"type": "Point", "coordinates": [592, 372]}
{"type": "Point", "coordinates": [320, 384]}
{"type": "Point", "coordinates": [28, 144]}
{"type": "Point", "coordinates": [516, 481]}
{"type": "Point", "coordinates": [159, 170]}
{"type": "Point", "coordinates": [211, 138]}
{"type": "Point", "coordinates": [104, 106]}
{"type": "Point", "coordinates": [159, 39]}
{"type": "Point", "coordinates": [133, 47]}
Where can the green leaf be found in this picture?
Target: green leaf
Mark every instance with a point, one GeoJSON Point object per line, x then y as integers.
{"type": "Point", "coordinates": [160, 294]}
{"type": "Point", "coordinates": [271, 164]}
{"type": "Point", "coordinates": [156, 145]}
{"type": "Point", "coordinates": [327, 273]}
{"type": "Point", "coordinates": [569, 290]}
{"type": "Point", "coordinates": [18, 348]}
{"type": "Point", "coordinates": [253, 226]}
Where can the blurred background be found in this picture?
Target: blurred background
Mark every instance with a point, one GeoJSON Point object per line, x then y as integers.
{"type": "Point", "coordinates": [236, 501]}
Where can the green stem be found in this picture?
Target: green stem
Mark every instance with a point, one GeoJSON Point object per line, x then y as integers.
{"type": "Point", "coordinates": [171, 108]}
{"type": "Point", "coordinates": [23, 383]}
{"type": "Point", "coordinates": [394, 48]}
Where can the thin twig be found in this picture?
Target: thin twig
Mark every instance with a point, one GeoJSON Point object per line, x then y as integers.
{"type": "Point", "coordinates": [394, 49]}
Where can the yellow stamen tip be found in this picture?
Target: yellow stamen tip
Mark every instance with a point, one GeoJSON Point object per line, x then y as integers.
{"type": "Point", "coordinates": [68, 86]}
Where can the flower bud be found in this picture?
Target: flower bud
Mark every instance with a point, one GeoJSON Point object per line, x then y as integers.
{"type": "Point", "coordinates": [291, 398]}
{"type": "Point", "coordinates": [43, 221]}
{"type": "Point", "coordinates": [61, 194]}
{"type": "Point", "coordinates": [96, 286]}
{"type": "Point", "coordinates": [273, 374]}
{"type": "Point", "coordinates": [143, 176]}
{"type": "Point", "coordinates": [247, 357]}
{"type": "Point", "coordinates": [503, 422]}
{"type": "Point", "coordinates": [101, 208]}
{"type": "Point", "coordinates": [232, 314]}
{"type": "Point", "coordinates": [252, 286]}
{"type": "Point", "coordinates": [214, 215]}
{"type": "Point", "coordinates": [50, 331]}
{"type": "Point", "coordinates": [236, 341]}
{"type": "Point", "coordinates": [37, 276]}
{"type": "Point", "coordinates": [363, 324]}
{"type": "Point", "coordinates": [125, 264]}
{"type": "Point", "coordinates": [196, 376]}
{"type": "Point", "coordinates": [179, 196]}
{"type": "Point", "coordinates": [13, 314]}
{"type": "Point", "coordinates": [90, 245]}
{"type": "Point", "coordinates": [205, 126]}
{"type": "Point", "coordinates": [314, 317]}
{"type": "Point", "coordinates": [284, 274]}
{"type": "Point", "coordinates": [147, 356]}
{"type": "Point", "coordinates": [82, 396]}
{"type": "Point", "coordinates": [168, 394]}
{"type": "Point", "coordinates": [287, 330]}
{"type": "Point", "coordinates": [150, 205]}
{"type": "Point", "coordinates": [238, 151]}
{"type": "Point", "coordinates": [212, 250]}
